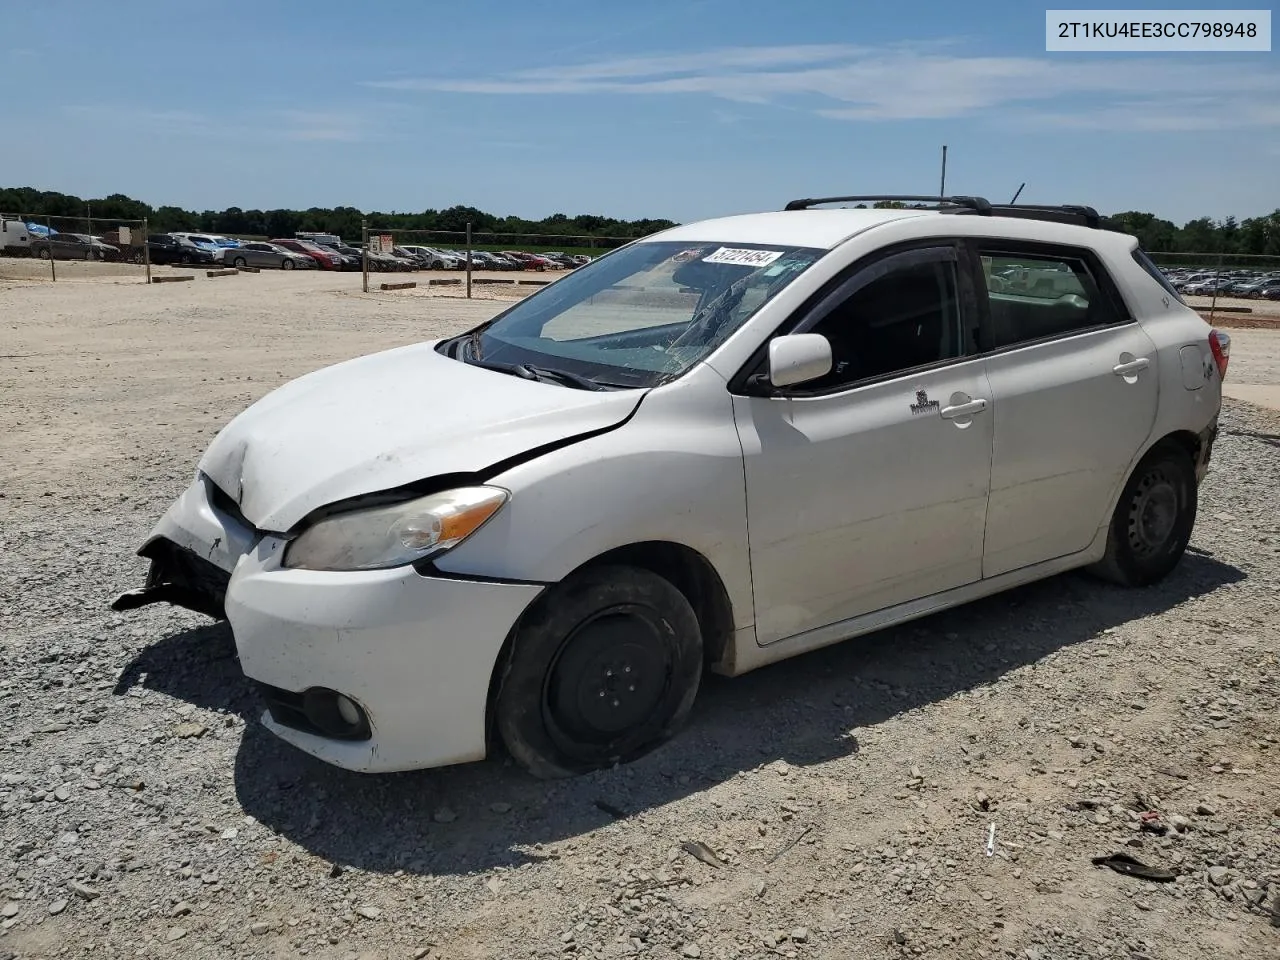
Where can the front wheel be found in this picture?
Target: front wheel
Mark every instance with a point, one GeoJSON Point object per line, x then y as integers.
{"type": "Point", "coordinates": [239, 262]}
{"type": "Point", "coordinates": [287, 265]}
{"type": "Point", "coordinates": [1152, 523]}
{"type": "Point", "coordinates": [603, 669]}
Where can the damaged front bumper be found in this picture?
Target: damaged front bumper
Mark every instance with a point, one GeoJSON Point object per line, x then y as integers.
{"type": "Point", "coordinates": [413, 654]}
{"type": "Point", "coordinates": [193, 550]}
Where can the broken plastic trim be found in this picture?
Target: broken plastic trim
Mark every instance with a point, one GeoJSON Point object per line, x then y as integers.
{"type": "Point", "coordinates": [180, 577]}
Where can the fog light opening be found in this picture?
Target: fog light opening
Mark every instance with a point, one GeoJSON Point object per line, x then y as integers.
{"type": "Point", "coordinates": [335, 715]}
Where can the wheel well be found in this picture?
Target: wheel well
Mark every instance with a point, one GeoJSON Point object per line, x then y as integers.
{"type": "Point", "coordinates": [693, 575]}
{"type": "Point", "coordinates": [685, 568]}
{"type": "Point", "coordinates": [1185, 439]}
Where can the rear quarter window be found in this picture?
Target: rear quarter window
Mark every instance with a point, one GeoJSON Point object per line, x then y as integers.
{"type": "Point", "coordinates": [1147, 264]}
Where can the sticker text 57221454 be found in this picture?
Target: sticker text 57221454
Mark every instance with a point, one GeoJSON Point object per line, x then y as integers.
{"type": "Point", "coordinates": [743, 258]}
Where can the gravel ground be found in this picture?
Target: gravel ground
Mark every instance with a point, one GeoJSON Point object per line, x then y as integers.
{"type": "Point", "coordinates": [843, 799]}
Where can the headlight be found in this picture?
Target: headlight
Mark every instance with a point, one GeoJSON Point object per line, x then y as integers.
{"type": "Point", "coordinates": [394, 535]}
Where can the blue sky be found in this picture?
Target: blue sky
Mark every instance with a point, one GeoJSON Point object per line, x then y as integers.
{"type": "Point", "coordinates": [664, 108]}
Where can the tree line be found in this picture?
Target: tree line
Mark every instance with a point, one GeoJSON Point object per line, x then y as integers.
{"type": "Point", "coordinates": [1253, 235]}
{"type": "Point", "coordinates": [343, 221]}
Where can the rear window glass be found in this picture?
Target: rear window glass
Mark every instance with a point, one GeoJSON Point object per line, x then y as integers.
{"type": "Point", "coordinates": [1157, 274]}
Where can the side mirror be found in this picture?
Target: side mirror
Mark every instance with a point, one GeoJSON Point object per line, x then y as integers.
{"type": "Point", "coordinates": [798, 358]}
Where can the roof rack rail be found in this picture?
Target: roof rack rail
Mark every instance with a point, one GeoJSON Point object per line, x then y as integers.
{"type": "Point", "coordinates": [1066, 213]}
{"type": "Point", "coordinates": [976, 204]}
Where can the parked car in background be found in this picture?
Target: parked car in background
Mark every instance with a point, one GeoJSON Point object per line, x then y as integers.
{"type": "Point", "coordinates": [431, 258]}
{"type": "Point", "coordinates": [484, 260]}
{"type": "Point", "coordinates": [259, 253]}
{"type": "Point", "coordinates": [558, 259]}
{"type": "Point", "coordinates": [15, 238]}
{"type": "Point", "coordinates": [529, 261]}
{"type": "Point", "coordinates": [205, 242]}
{"type": "Point", "coordinates": [326, 258]}
{"type": "Point", "coordinates": [381, 262]}
{"type": "Point", "coordinates": [166, 248]}
{"type": "Point", "coordinates": [1271, 292]}
{"type": "Point", "coordinates": [1245, 288]}
{"type": "Point", "coordinates": [73, 246]}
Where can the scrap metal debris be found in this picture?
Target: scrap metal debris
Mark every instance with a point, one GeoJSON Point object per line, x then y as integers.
{"type": "Point", "coordinates": [791, 843]}
{"type": "Point", "coordinates": [700, 851]}
{"type": "Point", "coordinates": [1130, 866]}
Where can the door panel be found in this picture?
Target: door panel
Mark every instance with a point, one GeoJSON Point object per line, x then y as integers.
{"type": "Point", "coordinates": [1067, 425]}
{"type": "Point", "coordinates": [864, 499]}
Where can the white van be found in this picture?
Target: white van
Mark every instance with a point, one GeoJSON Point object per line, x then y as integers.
{"type": "Point", "coordinates": [15, 239]}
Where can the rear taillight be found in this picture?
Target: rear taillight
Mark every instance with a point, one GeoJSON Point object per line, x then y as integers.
{"type": "Point", "coordinates": [1220, 347]}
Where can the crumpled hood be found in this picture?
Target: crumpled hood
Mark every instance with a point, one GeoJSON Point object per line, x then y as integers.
{"type": "Point", "coordinates": [389, 419]}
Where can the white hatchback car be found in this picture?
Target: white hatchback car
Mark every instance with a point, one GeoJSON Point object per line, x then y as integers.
{"type": "Point", "coordinates": [722, 445]}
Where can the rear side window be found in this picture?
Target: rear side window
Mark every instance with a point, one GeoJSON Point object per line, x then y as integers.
{"type": "Point", "coordinates": [1147, 264]}
{"type": "Point", "coordinates": [1038, 297]}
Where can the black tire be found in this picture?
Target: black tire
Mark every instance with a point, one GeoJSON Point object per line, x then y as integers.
{"type": "Point", "coordinates": [286, 265]}
{"type": "Point", "coordinates": [1153, 519]}
{"type": "Point", "coordinates": [44, 253]}
{"type": "Point", "coordinates": [574, 661]}
{"type": "Point", "coordinates": [437, 265]}
{"type": "Point", "coordinates": [239, 262]}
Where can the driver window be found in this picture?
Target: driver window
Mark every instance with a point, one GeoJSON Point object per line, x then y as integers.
{"type": "Point", "coordinates": [906, 318]}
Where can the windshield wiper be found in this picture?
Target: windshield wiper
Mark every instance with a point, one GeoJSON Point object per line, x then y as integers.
{"type": "Point", "coordinates": [529, 372]}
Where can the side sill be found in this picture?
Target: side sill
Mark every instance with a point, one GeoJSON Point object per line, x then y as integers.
{"type": "Point", "coordinates": [749, 658]}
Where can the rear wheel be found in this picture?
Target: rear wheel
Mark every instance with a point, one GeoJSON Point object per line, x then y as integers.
{"type": "Point", "coordinates": [1153, 519]}
{"type": "Point", "coordinates": [44, 253]}
{"type": "Point", "coordinates": [602, 670]}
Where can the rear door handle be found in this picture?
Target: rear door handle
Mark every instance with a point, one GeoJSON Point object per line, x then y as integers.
{"type": "Point", "coordinates": [1133, 366]}
{"type": "Point", "coordinates": [964, 409]}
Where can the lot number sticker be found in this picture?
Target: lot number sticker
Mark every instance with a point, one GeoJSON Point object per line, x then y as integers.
{"type": "Point", "coordinates": [743, 258]}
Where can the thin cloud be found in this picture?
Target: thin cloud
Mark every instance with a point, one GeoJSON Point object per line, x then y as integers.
{"type": "Point", "coordinates": [296, 125]}
{"type": "Point", "coordinates": [906, 82]}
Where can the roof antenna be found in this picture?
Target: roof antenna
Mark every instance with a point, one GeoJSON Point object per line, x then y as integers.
{"type": "Point", "coordinates": [1018, 194]}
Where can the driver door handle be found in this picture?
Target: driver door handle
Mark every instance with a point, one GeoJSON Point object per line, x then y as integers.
{"type": "Point", "coordinates": [964, 409]}
{"type": "Point", "coordinates": [1133, 366]}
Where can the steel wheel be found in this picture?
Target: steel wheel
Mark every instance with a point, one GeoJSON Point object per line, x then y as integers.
{"type": "Point", "coordinates": [602, 669]}
{"type": "Point", "coordinates": [1153, 513]}
{"type": "Point", "coordinates": [608, 677]}
{"type": "Point", "coordinates": [1152, 522]}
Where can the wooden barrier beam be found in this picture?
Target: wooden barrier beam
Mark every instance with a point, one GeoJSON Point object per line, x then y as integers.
{"type": "Point", "coordinates": [400, 286]}
{"type": "Point", "coordinates": [222, 273]}
{"type": "Point", "coordinates": [492, 280]}
{"type": "Point", "coordinates": [177, 279]}
{"type": "Point", "coordinates": [249, 269]}
{"type": "Point", "coordinates": [443, 283]}
{"type": "Point", "coordinates": [533, 283]}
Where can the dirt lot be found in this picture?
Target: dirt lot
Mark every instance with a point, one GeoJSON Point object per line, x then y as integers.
{"type": "Point", "coordinates": [847, 794]}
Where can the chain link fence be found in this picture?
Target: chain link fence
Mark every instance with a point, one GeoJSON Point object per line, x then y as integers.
{"type": "Point", "coordinates": [1237, 288]}
{"type": "Point", "coordinates": [53, 248]}
{"type": "Point", "coordinates": [482, 258]}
